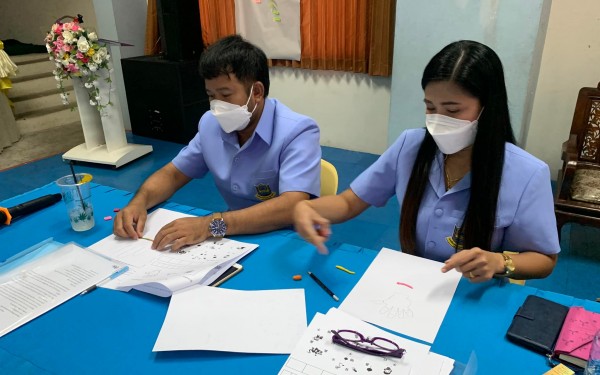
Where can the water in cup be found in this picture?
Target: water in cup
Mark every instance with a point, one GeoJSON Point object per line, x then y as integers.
{"type": "Point", "coordinates": [78, 199]}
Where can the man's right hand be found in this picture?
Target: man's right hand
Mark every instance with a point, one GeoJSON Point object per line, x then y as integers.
{"type": "Point", "coordinates": [130, 222]}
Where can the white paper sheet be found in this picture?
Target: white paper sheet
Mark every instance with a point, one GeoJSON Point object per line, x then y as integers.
{"type": "Point", "coordinates": [274, 26]}
{"type": "Point", "coordinates": [39, 285]}
{"type": "Point", "coordinates": [434, 364]}
{"type": "Point", "coordinates": [404, 293]}
{"type": "Point", "coordinates": [208, 318]}
{"type": "Point", "coordinates": [317, 354]}
{"type": "Point", "coordinates": [163, 272]}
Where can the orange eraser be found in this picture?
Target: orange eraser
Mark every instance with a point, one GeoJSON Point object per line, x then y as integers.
{"type": "Point", "coordinates": [297, 277]}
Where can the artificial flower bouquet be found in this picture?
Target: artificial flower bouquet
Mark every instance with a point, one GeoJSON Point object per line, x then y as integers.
{"type": "Point", "coordinates": [77, 53]}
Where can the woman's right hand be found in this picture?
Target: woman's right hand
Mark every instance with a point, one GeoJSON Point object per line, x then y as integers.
{"type": "Point", "coordinates": [311, 226]}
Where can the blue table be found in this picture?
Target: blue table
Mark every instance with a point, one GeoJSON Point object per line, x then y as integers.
{"type": "Point", "coordinates": [113, 332]}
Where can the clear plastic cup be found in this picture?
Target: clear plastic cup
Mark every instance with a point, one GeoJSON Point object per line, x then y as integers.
{"type": "Point", "coordinates": [593, 365]}
{"type": "Point", "coordinates": [77, 196]}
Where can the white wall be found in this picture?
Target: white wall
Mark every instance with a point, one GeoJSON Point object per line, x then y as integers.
{"type": "Point", "coordinates": [29, 21]}
{"type": "Point", "coordinates": [571, 60]}
{"type": "Point", "coordinates": [352, 110]}
{"type": "Point", "coordinates": [513, 28]}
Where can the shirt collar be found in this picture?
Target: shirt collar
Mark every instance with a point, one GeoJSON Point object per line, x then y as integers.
{"type": "Point", "coordinates": [264, 129]}
{"type": "Point", "coordinates": [438, 181]}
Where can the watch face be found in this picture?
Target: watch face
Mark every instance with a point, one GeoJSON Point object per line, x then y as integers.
{"type": "Point", "coordinates": [217, 227]}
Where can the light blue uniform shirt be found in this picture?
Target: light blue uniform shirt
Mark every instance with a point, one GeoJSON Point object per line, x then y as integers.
{"type": "Point", "coordinates": [524, 217]}
{"type": "Point", "coordinates": [282, 155]}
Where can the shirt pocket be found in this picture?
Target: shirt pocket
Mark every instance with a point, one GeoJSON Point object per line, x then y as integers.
{"type": "Point", "coordinates": [266, 184]}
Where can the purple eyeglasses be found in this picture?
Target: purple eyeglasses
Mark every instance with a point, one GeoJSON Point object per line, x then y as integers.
{"type": "Point", "coordinates": [374, 346]}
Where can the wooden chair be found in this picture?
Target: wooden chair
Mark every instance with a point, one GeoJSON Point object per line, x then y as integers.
{"type": "Point", "coordinates": [578, 187]}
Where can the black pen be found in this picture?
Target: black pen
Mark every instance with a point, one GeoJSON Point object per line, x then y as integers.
{"type": "Point", "coordinates": [90, 289]}
{"type": "Point", "coordinates": [315, 278]}
{"type": "Point", "coordinates": [93, 287]}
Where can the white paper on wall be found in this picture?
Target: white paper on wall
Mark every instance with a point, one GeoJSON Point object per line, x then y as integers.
{"type": "Point", "coordinates": [272, 25]}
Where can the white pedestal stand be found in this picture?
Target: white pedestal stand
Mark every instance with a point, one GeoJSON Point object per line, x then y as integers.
{"type": "Point", "coordinates": [105, 141]}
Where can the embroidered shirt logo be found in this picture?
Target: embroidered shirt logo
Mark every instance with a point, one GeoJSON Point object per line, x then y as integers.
{"type": "Point", "coordinates": [457, 239]}
{"type": "Point", "coordinates": [264, 192]}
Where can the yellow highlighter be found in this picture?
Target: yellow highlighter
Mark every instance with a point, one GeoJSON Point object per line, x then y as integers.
{"type": "Point", "coordinates": [345, 270]}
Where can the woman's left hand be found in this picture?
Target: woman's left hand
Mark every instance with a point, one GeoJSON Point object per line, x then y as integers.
{"type": "Point", "coordinates": [476, 264]}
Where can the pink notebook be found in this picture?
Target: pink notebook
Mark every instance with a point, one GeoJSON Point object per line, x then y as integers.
{"type": "Point", "coordinates": [575, 338]}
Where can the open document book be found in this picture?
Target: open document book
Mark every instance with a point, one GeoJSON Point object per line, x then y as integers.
{"type": "Point", "coordinates": [46, 275]}
{"type": "Point", "coordinates": [164, 272]}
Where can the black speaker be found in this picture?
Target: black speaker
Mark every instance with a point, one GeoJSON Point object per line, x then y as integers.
{"type": "Point", "coordinates": [165, 98]}
{"type": "Point", "coordinates": [179, 29]}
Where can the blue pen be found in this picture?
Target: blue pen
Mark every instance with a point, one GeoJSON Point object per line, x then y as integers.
{"type": "Point", "coordinates": [114, 275]}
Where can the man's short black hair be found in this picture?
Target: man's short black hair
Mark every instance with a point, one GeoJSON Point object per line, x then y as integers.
{"type": "Point", "coordinates": [233, 54]}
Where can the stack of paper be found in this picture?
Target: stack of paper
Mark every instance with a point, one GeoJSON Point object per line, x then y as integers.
{"type": "Point", "coordinates": [45, 276]}
{"type": "Point", "coordinates": [315, 353]}
{"type": "Point", "coordinates": [163, 272]}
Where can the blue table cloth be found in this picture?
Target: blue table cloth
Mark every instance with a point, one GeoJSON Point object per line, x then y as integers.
{"type": "Point", "coordinates": [111, 332]}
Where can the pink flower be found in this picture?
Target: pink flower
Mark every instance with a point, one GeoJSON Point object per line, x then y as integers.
{"type": "Point", "coordinates": [79, 55]}
{"type": "Point", "coordinates": [67, 47]}
{"type": "Point", "coordinates": [72, 68]}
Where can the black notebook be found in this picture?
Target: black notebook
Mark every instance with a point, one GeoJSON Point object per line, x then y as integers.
{"type": "Point", "coordinates": [537, 323]}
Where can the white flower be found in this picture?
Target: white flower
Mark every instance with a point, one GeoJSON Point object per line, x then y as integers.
{"type": "Point", "coordinates": [92, 36]}
{"type": "Point", "coordinates": [100, 55]}
{"type": "Point", "coordinates": [68, 36]}
{"type": "Point", "coordinates": [92, 102]}
{"type": "Point", "coordinates": [98, 97]}
{"type": "Point", "coordinates": [97, 58]}
{"type": "Point", "coordinates": [95, 83]}
{"type": "Point", "coordinates": [88, 85]}
{"type": "Point", "coordinates": [83, 45]}
{"type": "Point", "coordinates": [49, 49]}
{"type": "Point", "coordinates": [63, 96]}
{"type": "Point", "coordinates": [57, 78]}
{"type": "Point", "coordinates": [93, 67]}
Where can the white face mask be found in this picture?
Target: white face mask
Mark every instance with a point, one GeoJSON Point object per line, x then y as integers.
{"type": "Point", "coordinates": [450, 134]}
{"type": "Point", "coordinates": [231, 117]}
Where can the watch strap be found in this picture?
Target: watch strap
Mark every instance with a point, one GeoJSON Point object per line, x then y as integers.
{"type": "Point", "coordinates": [509, 265]}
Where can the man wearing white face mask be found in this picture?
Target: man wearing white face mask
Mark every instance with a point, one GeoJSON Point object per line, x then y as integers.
{"type": "Point", "coordinates": [264, 157]}
{"type": "Point", "coordinates": [467, 193]}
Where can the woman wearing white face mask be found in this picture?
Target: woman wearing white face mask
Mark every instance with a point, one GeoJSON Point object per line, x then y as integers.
{"type": "Point", "coordinates": [467, 193]}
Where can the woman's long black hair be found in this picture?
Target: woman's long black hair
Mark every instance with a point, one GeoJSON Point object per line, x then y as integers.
{"type": "Point", "coordinates": [478, 70]}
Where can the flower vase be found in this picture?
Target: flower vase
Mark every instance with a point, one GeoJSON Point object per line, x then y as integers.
{"type": "Point", "coordinates": [103, 129]}
{"type": "Point", "coordinates": [89, 115]}
{"type": "Point", "coordinates": [105, 125]}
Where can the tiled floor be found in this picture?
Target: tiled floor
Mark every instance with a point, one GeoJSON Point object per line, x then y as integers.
{"type": "Point", "coordinates": [577, 272]}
